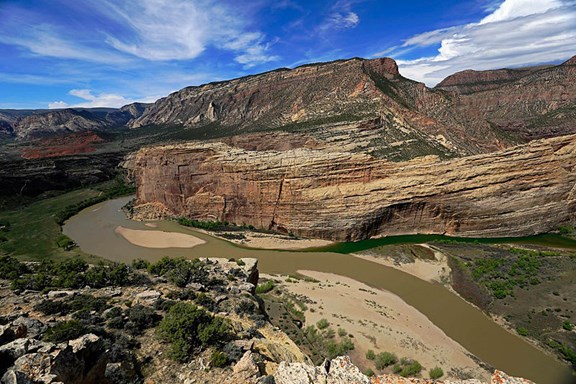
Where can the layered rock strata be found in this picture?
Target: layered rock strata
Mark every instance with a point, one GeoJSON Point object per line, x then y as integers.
{"type": "Point", "coordinates": [340, 196]}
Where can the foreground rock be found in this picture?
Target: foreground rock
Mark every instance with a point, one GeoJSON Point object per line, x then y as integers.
{"type": "Point", "coordinates": [341, 371]}
{"type": "Point", "coordinates": [521, 191]}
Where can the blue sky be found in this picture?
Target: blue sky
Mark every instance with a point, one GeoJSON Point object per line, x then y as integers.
{"type": "Point", "coordinates": [61, 53]}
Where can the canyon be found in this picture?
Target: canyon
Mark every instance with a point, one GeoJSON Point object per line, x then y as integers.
{"type": "Point", "coordinates": [342, 196]}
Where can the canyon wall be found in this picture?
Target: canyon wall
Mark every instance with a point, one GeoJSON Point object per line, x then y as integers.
{"type": "Point", "coordinates": [334, 195]}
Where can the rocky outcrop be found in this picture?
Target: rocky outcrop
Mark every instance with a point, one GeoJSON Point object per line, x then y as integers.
{"type": "Point", "coordinates": [341, 371]}
{"type": "Point", "coordinates": [341, 196]}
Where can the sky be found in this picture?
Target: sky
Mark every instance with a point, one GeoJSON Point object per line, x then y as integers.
{"type": "Point", "coordinates": [109, 53]}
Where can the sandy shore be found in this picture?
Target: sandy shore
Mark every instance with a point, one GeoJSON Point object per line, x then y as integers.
{"type": "Point", "coordinates": [273, 241]}
{"type": "Point", "coordinates": [436, 270]}
{"type": "Point", "coordinates": [158, 239]}
{"type": "Point", "coordinates": [381, 321]}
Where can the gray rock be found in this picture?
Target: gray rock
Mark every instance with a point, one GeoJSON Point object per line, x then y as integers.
{"type": "Point", "coordinates": [148, 297]}
{"type": "Point", "coordinates": [34, 327]}
{"type": "Point", "coordinates": [15, 377]}
{"type": "Point", "coordinates": [58, 294]}
{"type": "Point", "coordinates": [246, 367]}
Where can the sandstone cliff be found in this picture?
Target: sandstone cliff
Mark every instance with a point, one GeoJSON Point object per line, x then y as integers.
{"type": "Point", "coordinates": [341, 196]}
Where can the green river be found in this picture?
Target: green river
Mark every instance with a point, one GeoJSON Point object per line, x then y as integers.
{"type": "Point", "coordinates": [93, 230]}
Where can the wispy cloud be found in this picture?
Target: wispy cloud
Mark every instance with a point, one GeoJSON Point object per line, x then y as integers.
{"type": "Point", "coordinates": [517, 32]}
{"type": "Point", "coordinates": [91, 100]}
{"type": "Point", "coordinates": [341, 16]}
{"type": "Point", "coordinates": [160, 30]}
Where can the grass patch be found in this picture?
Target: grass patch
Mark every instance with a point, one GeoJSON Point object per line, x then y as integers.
{"type": "Point", "coordinates": [265, 287]}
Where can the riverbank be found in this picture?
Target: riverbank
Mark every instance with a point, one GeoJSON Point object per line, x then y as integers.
{"type": "Point", "coordinates": [379, 321]}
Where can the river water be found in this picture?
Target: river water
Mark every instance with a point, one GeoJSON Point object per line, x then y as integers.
{"type": "Point", "coordinates": [93, 230]}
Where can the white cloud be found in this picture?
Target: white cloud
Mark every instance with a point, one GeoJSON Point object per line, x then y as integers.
{"type": "Point", "coordinates": [341, 17]}
{"type": "Point", "coordinates": [182, 30]}
{"type": "Point", "coordinates": [46, 40]}
{"type": "Point", "coordinates": [518, 32]}
{"type": "Point", "coordinates": [91, 100]}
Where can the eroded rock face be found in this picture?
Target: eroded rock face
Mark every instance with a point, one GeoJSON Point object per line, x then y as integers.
{"type": "Point", "coordinates": [343, 196]}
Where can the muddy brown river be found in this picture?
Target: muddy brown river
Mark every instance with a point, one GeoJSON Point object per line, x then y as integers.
{"type": "Point", "coordinates": [93, 230]}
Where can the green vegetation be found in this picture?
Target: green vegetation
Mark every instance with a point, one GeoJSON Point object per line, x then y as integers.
{"type": "Point", "coordinates": [180, 272]}
{"type": "Point", "coordinates": [568, 353]}
{"type": "Point", "coordinates": [218, 359]}
{"type": "Point", "coordinates": [407, 367]}
{"type": "Point", "coordinates": [322, 324]}
{"type": "Point", "coordinates": [368, 372]}
{"type": "Point", "coordinates": [522, 331]}
{"type": "Point", "coordinates": [385, 359]}
{"type": "Point", "coordinates": [568, 326]}
{"type": "Point", "coordinates": [265, 287]}
{"type": "Point", "coordinates": [436, 373]}
{"type": "Point", "coordinates": [370, 355]}
{"type": "Point", "coordinates": [65, 330]}
{"type": "Point", "coordinates": [501, 275]}
{"type": "Point", "coordinates": [71, 273]}
{"type": "Point", "coordinates": [189, 328]}
{"type": "Point", "coordinates": [33, 231]}
{"type": "Point", "coordinates": [118, 188]}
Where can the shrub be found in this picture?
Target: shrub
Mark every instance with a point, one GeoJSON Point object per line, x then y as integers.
{"type": "Point", "coordinates": [245, 307]}
{"type": "Point", "coordinates": [568, 326]}
{"type": "Point", "coordinates": [370, 355]}
{"type": "Point", "coordinates": [265, 287]}
{"type": "Point", "coordinates": [436, 373]}
{"type": "Point", "coordinates": [322, 323]}
{"type": "Point", "coordinates": [140, 264]}
{"type": "Point", "coordinates": [385, 359]}
{"type": "Point", "coordinates": [342, 332]}
{"type": "Point", "coordinates": [140, 318]}
{"type": "Point", "coordinates": [64, 331]}
{"type": "Point", "coordinates": [218, 359]}
{"type": "Point", "coordinates": [368, 372]}
{"type": "Point", "coordinates": [180, 272]}
{"type": "Point", "coordinates": [522, 331]}
{"type": "Point", "coordinates": [49, 307]}
{"type": "Point", "coordinates": [188, 328]}
{"type": "Point", "coordinates": [65, 242]}
{"type": "Point", "coordinates": [410, 368]}
{"type": "Point", "coordinates": [12, 269]}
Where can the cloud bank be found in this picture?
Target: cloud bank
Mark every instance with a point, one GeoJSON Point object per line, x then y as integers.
{"type": "Point", "coordinates": [516, 33]}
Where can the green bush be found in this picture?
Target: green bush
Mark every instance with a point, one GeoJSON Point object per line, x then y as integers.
{"type": "Point", "coordinates": [50, 307]}
{"type": "Point", "coordinates": [436, 373]}
{"type": "Point", "coordinates": [265, 287]}
{"type": "Point", "coordinates": [368, 372]}
{"type": "Point", "coordinates": [64, 331]}
{"type": "Point", "coordinates": [522, 331]}
{"type": "Point", "coordinates": [218, 359]}
{"type": "Point", "coordinates": [11, 268]}
{"type": "Point", "coordinates": [385, 359]}
{"type": "Point", "coordinates": [410, 368]}
{"type": "Point", "coordinates": [342, 332]}
{"type": "Point", "coordinates": [370, 355]}
{"type": "Point", "coordinates": [180, 272]}
{"type": "Point", "coordinates": [140, 264]}
{"type": "Point", "coordinates": [189, 328]}
{"type": "Point", "coordinates": [65, 242]}
{"type": "Point", "coordinates": [140, 318]}
{"type": "Point", "coordinates": [568, 326]}
{"type": "Point", "coordinates": [322, 324]}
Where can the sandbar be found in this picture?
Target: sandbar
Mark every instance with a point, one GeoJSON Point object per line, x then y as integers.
{"type": "Point", "coordinates": [158, 239]}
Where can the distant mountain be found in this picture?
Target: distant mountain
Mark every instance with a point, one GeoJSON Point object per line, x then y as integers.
{"type": "Point", "coordinates": [529, 103]}
{"type": "Point", "coordinates": [365, 104]}
{"type": "Point", "coordinates": [26, 124]}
